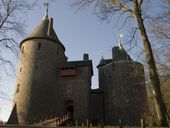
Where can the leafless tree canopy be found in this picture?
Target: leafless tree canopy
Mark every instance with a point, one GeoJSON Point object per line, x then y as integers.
{"type": "Point", "coordinates": [105, 8]}
{"type": "Point", "coordinates": [160, 24]}
{"type": "Point", "coordinates": [11, 25]}
{"type": "Point", "coordinates": [159, 27]}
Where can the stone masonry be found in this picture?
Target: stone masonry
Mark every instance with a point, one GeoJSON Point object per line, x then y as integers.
{"type": "Point", "coordinates": [48, 85]}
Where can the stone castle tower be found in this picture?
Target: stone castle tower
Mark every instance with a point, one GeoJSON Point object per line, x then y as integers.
{"type": "Point", "coordinates": [49, 86]}
{"type": "Point", "coordinates": [122, 81]}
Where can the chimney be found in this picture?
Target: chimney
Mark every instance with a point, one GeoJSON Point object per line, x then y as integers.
{"type": "Point", "coordinates": [85, 56]}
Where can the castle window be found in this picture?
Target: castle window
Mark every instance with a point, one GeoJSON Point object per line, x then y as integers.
{"type": "Point", "coordinates": [67, 71]}
{"type": "Point", "coordinates": [22, 50]}
{"type": "Point", "coordinates": [17, 90]}
{"type": "Point", "coordinates": [20, 69]}
{"type": "Point", "coordinates": [36, 67]}
{"type": "Point", "coordinates": [39, 46]}
{"type": "Point", "coordinates": [58, 50]}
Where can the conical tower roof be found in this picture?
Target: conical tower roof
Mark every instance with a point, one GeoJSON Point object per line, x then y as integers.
{"type": "Point", "coordinates": [102, 62]}
{"type": "Point", "coordinates": [44, 30]}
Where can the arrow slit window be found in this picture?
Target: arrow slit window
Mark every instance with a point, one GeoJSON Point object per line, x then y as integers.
{"type": "Point", "coordinates": [17, 90]}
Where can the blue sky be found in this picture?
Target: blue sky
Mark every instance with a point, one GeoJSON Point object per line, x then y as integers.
{"type": "Point", "coordinates": [80, 32]}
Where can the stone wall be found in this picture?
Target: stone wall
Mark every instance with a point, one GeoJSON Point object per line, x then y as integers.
{"type": "Point", "coordinates": [124, 92]}
{"type": "Point", "coordinates": [96, 107]}
{"type": "Point", "coordinates": [74, 91]}
{"type": "Point", "coordinates": [43, 90]}
{"type": "Point", "coordinates": [36, 77]}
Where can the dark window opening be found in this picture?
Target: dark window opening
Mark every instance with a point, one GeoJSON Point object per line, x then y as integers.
{"type": "Point", "coordinates": [67, 68]}
{"type": "Point", "coordinates": [18, 85]}
{"type": "Point", "coordinates": [20, 69]}
{"type": "Point", "coordinates": [39, 46]}
{"type": "Point", "coordinates": [22, 49]}
{"type": "Point", "coordinates": [36, 67]}
{"type": "Point", "coordinates": [70, 111]}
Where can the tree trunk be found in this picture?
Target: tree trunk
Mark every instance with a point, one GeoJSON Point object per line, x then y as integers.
{"type": "Point", "coordinates": [161, 110]}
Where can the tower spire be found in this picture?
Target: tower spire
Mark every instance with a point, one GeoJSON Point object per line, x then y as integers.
{"type": "Point", "coordinates": [102, 53]}
{"type": "Point", "coordinates": [120, 41]}
{"type": "Point", "coordinates": [46, 4]}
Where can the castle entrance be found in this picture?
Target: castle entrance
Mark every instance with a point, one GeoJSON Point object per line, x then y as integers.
{"type": "Point", "coordinates": [69, 107]}
{"type": "Point", "coordinates": [70, 111]}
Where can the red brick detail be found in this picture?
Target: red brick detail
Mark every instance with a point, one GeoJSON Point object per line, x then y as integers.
{"type": "Point", "coordinates": [67, 71]}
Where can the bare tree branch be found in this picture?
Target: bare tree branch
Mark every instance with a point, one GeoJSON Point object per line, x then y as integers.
{"type": "Point", "coordinates": [11, 25]}
{"type": "Point", "coordinates": [107, 8]}
{"type": "Point", "coordinates": [121, 6]}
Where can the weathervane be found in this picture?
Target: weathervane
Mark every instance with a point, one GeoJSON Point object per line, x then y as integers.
{"type": "Point", "coordinates": [46, 4]}
{"type": "Point", "coordinates": [120, 41]}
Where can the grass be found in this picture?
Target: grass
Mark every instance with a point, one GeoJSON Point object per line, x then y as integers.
{"type": "Point", "coordinates": [29, 126]}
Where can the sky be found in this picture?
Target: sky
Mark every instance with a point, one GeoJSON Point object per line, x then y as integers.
{"type": "Point", "coordinates": [79, 31]}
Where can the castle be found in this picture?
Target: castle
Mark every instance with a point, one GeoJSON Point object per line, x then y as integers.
{"type": "Point", "coordinates": [48, 85]}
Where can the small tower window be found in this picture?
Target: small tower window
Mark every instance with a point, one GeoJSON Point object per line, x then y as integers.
{"type": "Point", "coordinates": [22, 50]}
{"type": "Point", "coordinates": [17, 90]}
{"type": "Point", "coordinates": [36, 67]}
{"type": "Point", "coordinates": [20, 69]}
{"type": "Point", "coordinates": [58, 50]}
{"type": "Point", "coordinates": [39, 46]}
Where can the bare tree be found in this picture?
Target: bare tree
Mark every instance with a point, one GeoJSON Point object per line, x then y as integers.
{"type": "Point", "coordinates": [11, 23]}
{"type": "Point", "coordinates": [134, 10]}
{"type": "Point", "coordinates": [160, 26]}
{"type": "Point", "coordinates": [11, 27]}
{"type": "Point", "coordinates": [161, 22]}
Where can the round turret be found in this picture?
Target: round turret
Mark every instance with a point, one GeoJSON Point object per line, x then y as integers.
{"type": "Point", "coordinates": [125, 92]}
{"type": "Point", "coordinates": [40, 55]}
